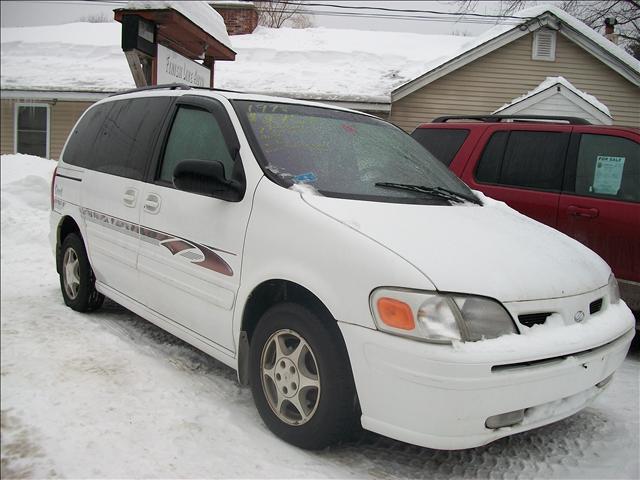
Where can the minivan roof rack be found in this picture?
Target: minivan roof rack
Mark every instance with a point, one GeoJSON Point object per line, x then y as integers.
{"type": "Point", "coordinates": [169, 86]}
{"type": "Point", "coordinates": [521, 118]}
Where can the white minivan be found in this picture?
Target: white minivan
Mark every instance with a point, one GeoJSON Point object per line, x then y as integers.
{"type": "Point", "coordinates": [324, 254]}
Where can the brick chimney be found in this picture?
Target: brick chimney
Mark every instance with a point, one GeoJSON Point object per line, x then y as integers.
{"type": "Point", "coordinates": [240, 17]}
{"type": "Point", "coordinates": [609, 25]}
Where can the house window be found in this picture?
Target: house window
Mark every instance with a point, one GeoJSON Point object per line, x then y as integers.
{"type": "Point", "coordinates": [544, 45]}
{"type": "Point", "coordinates": [32, 129]}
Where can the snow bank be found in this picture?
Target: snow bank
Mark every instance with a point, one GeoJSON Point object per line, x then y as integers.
{"type": "Point", "coordinates": [550, 82]}
{"type": "Point", "coordinates": [109, 395]}
{"type": "Point", "coordinates": [199, 13]}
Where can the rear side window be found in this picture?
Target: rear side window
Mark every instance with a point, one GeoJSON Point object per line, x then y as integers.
{"type": "Point", "coordinates": [524, 159]}
{"type": "Point", "coordinates": [443, 144]}
{"type": "Point", "coordinates": [195, 135]}
{"type": "Point", "coordinates": [118, 137]}
{"type": "Point", "coordinates": [79, 149]}
{"type": "Point", "coordinates": [608, 167]}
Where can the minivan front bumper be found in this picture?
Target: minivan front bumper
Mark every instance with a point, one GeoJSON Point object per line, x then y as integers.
{"type": "Point", "coordinates": [439, 396]}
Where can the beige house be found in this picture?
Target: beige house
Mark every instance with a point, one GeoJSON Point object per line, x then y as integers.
{"type": "Point", "coordinates": [493, 73]}
{"type": "Point", "coordinates": [481, 76]}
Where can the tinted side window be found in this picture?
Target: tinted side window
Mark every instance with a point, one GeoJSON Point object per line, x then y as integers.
{"type": "Point", "coordinates": [443, 144]}
{"type": "Point", "coordinates": [531, 160]}
{"type": "Point", "coordinates": [118, 137]}
{"type": "Point", "coordinates": [608, 167]}
{"type": "Point", "coordinates": [80, 144]}
{"type": "Point", "coordinates": [125, 142]}
{"type": "Point", "coordinates": [488, 170]}
{"type": "Point", "coordinates": [195, 135]}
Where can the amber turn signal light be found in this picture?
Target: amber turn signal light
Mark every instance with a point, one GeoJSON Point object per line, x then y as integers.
{"type": "Point", "coordinates": [395, 313]}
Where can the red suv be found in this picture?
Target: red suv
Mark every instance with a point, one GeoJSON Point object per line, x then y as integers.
{"type": "Point", "coordinates": [580, 178]}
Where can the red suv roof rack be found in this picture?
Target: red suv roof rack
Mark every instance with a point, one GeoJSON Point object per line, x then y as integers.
{"type": "Point", "coordinates": [518, 118]}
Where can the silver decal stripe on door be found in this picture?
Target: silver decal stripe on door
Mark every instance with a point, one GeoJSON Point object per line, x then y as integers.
{"type": "Point", "coordinates": [194, 253]}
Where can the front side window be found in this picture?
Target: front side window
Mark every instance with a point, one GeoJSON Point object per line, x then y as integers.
{"type": "Point", "coordinates": [31, 132]}
{"type": "Point", "coordinates": [342, 154]}
{"type": "Point", "coordinates": [195, 135]}
{"type": "Point", "coordinates": [524, 159]}
{"type": "Point", "coordinates": [608, 167]}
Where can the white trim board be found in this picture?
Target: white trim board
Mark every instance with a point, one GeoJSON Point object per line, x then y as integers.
{"type": "Point", "coordinates": [556, 89]}
{"type": "Point", "coordinates": [53, 96]}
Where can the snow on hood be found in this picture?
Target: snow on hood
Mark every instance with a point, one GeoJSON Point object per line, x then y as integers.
{"type": "Point", "coordinates": [491, 250]}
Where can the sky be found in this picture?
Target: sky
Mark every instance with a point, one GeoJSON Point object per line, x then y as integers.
{"type": "Point", "coordinates": [49, 12]}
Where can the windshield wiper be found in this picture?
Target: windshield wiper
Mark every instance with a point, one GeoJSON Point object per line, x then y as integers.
{"type": "Point", "coordinates": [439, 192]}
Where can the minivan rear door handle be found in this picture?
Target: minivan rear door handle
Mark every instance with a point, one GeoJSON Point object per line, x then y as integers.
{"type": "Point", "coordinates": [130, 196]}
{"type": "Point", "coordinates": [576, 211]}
{"type": "Point", "coordinates": [152, 203]}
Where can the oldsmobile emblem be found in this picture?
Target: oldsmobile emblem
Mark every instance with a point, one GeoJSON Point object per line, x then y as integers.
{"type": "Point", "coordinates": [579, 316]}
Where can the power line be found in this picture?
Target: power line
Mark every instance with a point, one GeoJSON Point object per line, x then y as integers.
{"type": "Point", "coordinates": [384, 13]}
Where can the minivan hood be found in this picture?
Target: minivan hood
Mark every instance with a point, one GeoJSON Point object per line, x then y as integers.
{"type": "Point", "coordinates": [491, 250]}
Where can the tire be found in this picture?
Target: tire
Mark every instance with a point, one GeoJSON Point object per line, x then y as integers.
{"type": "Point", "coordinates": [320, 380]}
{"type": "Point", "coordinates": [77, 280]}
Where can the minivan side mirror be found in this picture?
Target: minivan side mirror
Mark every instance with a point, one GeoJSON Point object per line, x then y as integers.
{"type": "Point", "coordinates": [206, 177]}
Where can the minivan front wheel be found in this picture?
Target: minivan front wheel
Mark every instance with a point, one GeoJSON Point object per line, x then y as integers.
{"type": "Point", "coordinates": [301, 377]}
{"type": "Point", "coordinates": [77, 280]}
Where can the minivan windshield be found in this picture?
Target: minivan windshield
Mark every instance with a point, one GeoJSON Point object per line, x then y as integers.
{"type": "Point", "coordinates": [346, 155]}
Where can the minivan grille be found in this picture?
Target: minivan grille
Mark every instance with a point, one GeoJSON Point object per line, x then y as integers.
{"type": "Point", "coordinates": [531, 319]}
{"type": "Point", "coordinates": [595, 306]}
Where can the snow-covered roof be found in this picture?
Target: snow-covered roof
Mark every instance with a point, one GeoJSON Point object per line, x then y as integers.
{"type": "Point", "coordinates": [315, 63]}
{"type": "Point", "coordinates": [330, 64]}
{"type": "Point", "coordinates": [551, 82]}
{"type": "Point", "coordinates": [318, 63]}
{"type": "Point", "coordinates": [199, 12]}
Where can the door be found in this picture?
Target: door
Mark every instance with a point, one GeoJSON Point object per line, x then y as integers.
{"type": "Point", "coordinates": [522, 166]}
{"type": "Point", "coordinates": [191, 245]}
{"type": "Point", "coordinates": [600, 204]}
{"type": "Point", "coordinates": [117, 151]}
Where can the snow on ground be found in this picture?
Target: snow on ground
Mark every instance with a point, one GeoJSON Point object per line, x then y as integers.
{"type": "Point", "coordinates": [110, 395]}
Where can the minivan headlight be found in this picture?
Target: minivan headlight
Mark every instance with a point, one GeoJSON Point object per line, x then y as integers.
{"type": "Point", "coordinates": [439, 317]}
{"type": "Point", "coordinates": [614, 290]}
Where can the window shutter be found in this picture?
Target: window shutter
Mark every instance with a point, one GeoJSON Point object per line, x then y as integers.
{"type": "Point", "coordinates": [544, 45]}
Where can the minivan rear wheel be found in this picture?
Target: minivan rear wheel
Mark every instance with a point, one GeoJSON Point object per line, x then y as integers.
{"type": "Point", "coordinates": [301, 378]}
{"type": "Point", "coordinates": [77, 280]}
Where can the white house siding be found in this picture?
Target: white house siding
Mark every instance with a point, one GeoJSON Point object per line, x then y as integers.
{"type": "Point", "coordinates": [488, 83]}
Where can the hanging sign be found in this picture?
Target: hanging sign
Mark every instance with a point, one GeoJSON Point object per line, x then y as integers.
{"type": "Point", "coordinates": [174, 68]}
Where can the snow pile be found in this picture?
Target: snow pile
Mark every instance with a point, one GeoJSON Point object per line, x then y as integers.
{"type": "Point", "coordinates": [551, 82]}
{"type": "Point", "coordinates": [199, 13]}
{"type": "Point", "coordinates": [109, 395]}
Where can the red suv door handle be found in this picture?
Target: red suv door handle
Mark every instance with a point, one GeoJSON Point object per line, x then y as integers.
{"type": "Point", "coordinates": [576, 211]}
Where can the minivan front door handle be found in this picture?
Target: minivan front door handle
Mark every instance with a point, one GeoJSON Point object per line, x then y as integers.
{"type": "Point", "coordinates": [152, 203]}
{"type": "Point", "coordinates": [129, 197]}
{"type": "Point", "coordinates": [576, 211]}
